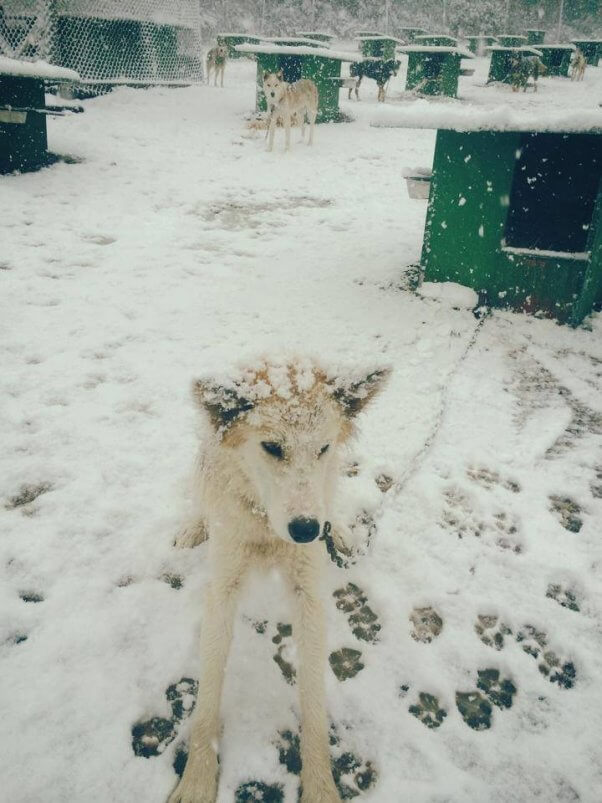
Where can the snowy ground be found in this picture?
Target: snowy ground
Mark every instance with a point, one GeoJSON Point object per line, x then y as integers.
{"type": "Point", "coordinates": [179, 244]}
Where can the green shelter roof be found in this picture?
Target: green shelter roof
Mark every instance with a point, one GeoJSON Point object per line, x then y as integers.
{"type": "Point", "coordinates": [300, 39]}
{"type": "Point", "coordinates": [298, 50]}
{"type": "Point", "coordinates": [423, 114]}
{"type": "Point", "coordinates": [312, 33]}
{"type": "Point", "coordinates": [516, 49]}
{"type": "Point", "coordinates": [556, 47]}
{"type": "Point", "coordinates": [459, 51]}
{"type": "Point", "coordinates": [36, 69]}
{"type": "Point", "coordinates": [379, 38]}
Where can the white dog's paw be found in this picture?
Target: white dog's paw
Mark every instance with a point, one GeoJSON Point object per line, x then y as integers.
{"type": "Point", "coordinates": [192, 535]}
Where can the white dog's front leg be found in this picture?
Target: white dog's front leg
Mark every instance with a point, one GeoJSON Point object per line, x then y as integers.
{"type": "Point", "coordinates": [287, 132]}
{"type": "Point", "coordinates": [199, 782]}
{"type": "Point", "coordinates": [310, 634]}
{"type": "Point", "coordinates": [271, 131]}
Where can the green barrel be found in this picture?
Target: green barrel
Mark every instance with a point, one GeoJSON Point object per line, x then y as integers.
{"type": "Point", "coordinates": [591, 49]}
{"type": "Point", "coordinates": [535, 36]}
{"type": "Point", "coordinates": [557, 59]}
{"type": "Point", "coordinates": [433, 73]}
{"type": "Point", "coordinates": [23, 140]}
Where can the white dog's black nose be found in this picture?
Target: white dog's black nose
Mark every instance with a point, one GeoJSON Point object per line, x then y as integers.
{"type": "Point", "coordinates": [304, 530]}
{"type": "Point", "coordinates": [273, 94]}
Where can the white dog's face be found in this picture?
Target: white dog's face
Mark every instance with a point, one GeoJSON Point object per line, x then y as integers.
{"type": "Point", "coordinates": [289, 457]}
{"type": "Point", "coordinates": [274, 88]}
{"type": "Point", "coordinates": [287, 449]}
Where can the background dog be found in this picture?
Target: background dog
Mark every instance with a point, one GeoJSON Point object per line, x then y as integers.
{"type": "Point", "coordinates": [216, 61]}
{"type": "Point", "coordinates": [379, 71]}
{"type": "Point", "coordinates": [265, 484]}
{"type": "Point", "coordinates": [285, 101]}
{"type": "Point", "coordinates": [578, 65]}
{"type": "Point", "coordinates": [524, 67]}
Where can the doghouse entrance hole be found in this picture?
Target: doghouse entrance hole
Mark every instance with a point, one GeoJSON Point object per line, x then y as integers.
{"type": "Point", "coordinates": [554, 190]}
{"type": "Point", "coordinates": [432, 67]}
{"type": "Point", "coordinates": [291, 68]}
{"type": "Point", "coordinates": [555, 58]}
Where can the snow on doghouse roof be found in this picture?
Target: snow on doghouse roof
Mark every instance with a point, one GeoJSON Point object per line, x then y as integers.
{"type": "Point", "coordinates": [516, 49]}
{"type": "Point", "coordinates": [556, 47]}
{"type": "Point", "coordinates": [277, 39]}
{"type": "Point", "coordinates": [313, 33]}
{"type": "Point", "coordinates": [460, 51]}
{"type": "Point", "coordinates": [379, 37]}
{"type": "Point", "coordinates": [424, 114]}
{"type": "Point", "coordinates": [436, 36]}
{"type": "Point", "coordinates": [36, 69]}
{"type": "Point", "coordinates": [297, 50]}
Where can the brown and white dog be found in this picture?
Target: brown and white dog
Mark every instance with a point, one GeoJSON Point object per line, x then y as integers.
{"type": "Point", "coordinates": [265, 485]}
{"type": "Point", "coordinates": [578, 65]}
{"type": "Point", "coordinates": [286, 101]}
{"type": "Point", "coordinates": [216, 61]}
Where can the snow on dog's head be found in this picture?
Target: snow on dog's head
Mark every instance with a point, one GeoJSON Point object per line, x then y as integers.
{"type": "Point", "coordinates": [279, 426]}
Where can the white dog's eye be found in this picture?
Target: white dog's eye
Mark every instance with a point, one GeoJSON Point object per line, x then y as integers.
{"type": "Point", "coordinates": [273, 448]}
{"type": "Point", "coordinates": [324, 449]}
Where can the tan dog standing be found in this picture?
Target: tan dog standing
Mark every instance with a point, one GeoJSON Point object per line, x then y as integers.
{"type": "Point", "coordinates": [265, 486]}
{"type": "Point", "coordinates": [286, 101]}
{"type": "Point", "coordinates": [578, 65]}
{"type": "Point", "coordinates": [216, 61]}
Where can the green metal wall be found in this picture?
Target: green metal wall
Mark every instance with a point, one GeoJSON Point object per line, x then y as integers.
{"type": "Point", "coordinates": [500, 66]}
{"type": "Point", "coordinates": [379, 48]}
{"type": "Point", "coordinates": [22, 145]}
{"type": "Point", "coordinates": [591, 49]}
{"type": "Point", "coordinates": [434, 73]}
{"type": "Point", "coordinates": [535, 37]}
{"type": "Point", "coordinates": [557, 61]}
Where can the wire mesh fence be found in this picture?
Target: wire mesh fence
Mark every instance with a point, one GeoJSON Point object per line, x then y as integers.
{"type": "Point", "coordinates": [107, 41]}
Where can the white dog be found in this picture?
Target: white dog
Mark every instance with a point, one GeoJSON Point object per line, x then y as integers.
{"type": "Point", "coordinates": [266, 482]}
{"type": "Point", "coordinates": [286, 101]}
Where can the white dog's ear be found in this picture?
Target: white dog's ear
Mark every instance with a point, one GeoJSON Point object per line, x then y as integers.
{"type": "Point", "coordinates": [223, 405]}
{"type": "Point", "coordinates": [280, 74]}
{"type": "Point", "coordinates": [265, 74]}
{"type": "Point", "coordinates": [354, 395]}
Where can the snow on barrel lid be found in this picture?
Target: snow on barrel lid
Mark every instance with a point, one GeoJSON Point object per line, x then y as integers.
{"type": "Point", "coordinates": [423, 114]}
{"type": "Point", "coordinates": [36, 69]}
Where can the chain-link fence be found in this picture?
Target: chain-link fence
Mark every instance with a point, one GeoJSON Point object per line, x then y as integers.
{"type": "Point", "coordinates": [107, 41]}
